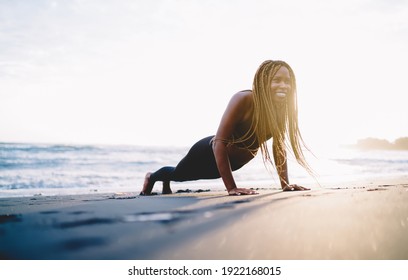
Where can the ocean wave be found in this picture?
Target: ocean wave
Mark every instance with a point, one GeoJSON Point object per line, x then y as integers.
{"type": "Point", "coordinates": [31, 163]}
{"type": "Point", "coordinates": [371, 162]}
{"type": "Point", "coordinates": [41, 148]}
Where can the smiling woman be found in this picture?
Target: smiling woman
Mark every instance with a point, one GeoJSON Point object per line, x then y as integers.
{"type": "Point", "coordinates": [252, 117]}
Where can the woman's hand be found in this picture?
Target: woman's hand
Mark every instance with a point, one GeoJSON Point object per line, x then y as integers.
{"type": "Point", "coordinates": [241, 191]}
{"type": "Point", "coordinates": [294, 187]}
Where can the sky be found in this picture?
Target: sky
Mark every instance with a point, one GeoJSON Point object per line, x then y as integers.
{"type": "Point", "coordinates": [161, 72]}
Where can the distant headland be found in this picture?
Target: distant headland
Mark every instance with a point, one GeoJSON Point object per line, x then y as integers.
{"type": "Point", "coordinates": [382, 144]}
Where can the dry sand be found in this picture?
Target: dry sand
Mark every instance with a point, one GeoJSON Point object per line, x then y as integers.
{"type": "Point", "coordinates": [357, 222]}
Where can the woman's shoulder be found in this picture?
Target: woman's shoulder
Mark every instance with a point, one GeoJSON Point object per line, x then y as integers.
{"type": "Point", "coordinates": [244, 96]}
{"type": "Point", "coordinates": [246, 92]}
{"type": "Point", "coordinates": [243, 102]}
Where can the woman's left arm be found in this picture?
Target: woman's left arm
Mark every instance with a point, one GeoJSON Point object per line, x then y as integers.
{"type": "Point", "coordinates": [281, 163]}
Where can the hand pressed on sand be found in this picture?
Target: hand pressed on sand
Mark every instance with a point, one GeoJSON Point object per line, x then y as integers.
{"type": "Point", "coordinates": [294, 187]}
{"type": "Point", "coordinates": [241, 191]}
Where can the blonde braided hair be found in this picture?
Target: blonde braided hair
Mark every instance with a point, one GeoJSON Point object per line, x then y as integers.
{"type": "Point", "coordinates": [272, 119]}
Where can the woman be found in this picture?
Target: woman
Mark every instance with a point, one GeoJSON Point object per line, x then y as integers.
{"type": "Point", "coordinates": [252, 117]}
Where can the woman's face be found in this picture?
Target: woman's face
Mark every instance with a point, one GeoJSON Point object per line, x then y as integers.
{"type": "Point", "coordinates": [281, 86]}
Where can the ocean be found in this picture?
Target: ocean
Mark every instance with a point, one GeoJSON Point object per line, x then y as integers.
{"type": "Point", "coordinates": [44, 169]}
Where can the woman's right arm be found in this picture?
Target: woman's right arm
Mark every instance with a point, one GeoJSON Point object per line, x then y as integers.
{"type": "Point", "coordinates": [223, 164]}
{"type": "Point", "coordinates": [233, 115]}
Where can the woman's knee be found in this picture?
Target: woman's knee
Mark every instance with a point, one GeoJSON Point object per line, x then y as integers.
{"type": "Point", "coordinates": [163, 174]}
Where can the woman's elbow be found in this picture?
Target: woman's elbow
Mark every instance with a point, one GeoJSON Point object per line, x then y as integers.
{"type": "Point", "coordinates": [219, 149]}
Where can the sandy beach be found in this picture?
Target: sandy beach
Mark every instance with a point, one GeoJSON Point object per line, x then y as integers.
{"type": "Point", "coordinates": [362, 221]}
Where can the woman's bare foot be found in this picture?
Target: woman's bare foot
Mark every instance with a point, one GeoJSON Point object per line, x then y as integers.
{"type": "Point", "coordinates": [147, 185]}
{"type": "Point", "coordinates": [166, 188]}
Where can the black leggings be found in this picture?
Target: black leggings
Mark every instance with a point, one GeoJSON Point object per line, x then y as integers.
{"type": "Point", "coordinates": [199, 163]}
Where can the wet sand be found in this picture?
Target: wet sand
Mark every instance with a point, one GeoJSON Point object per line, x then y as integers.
{"type": "Point", "coordinates": [366, 221]}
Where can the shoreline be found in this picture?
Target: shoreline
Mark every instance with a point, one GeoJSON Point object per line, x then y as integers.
{"type": "Point", "coordinates": [365, 221]}
{"type": "Point", "coordinates": [206, 185]}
